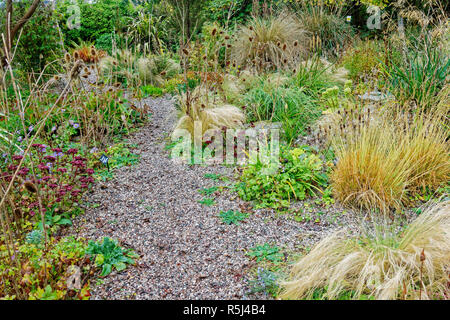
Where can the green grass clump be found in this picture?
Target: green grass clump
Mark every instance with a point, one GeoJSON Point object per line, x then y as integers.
{"type": "Point", "coordinates": [266, 252]}
{"type": "Point", "coordinates": [290, 106]}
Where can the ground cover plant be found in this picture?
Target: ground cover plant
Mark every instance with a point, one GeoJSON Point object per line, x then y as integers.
{"type": "Point", "coordinates": [108, 255]}
{"type": "Point", "coordinates": [385, 265]}
{"type": "Point", "coordinates": [359, 137]}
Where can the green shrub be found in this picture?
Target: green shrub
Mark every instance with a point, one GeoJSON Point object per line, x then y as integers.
{"type": "Point", "coordinates": [97, 18]}
{"type": "Point", "coordinates": [105, 42]}
{"type": "Point", "coordinates": [300, 175]}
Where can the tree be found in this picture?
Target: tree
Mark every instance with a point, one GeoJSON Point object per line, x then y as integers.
{"type": "Point", "coordinates": [12, 29]}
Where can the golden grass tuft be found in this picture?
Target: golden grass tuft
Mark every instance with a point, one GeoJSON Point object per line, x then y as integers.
{"type": "Point", "coordinates": [382, 161]}
{"type": "Point", "coordinates": [411, 265]}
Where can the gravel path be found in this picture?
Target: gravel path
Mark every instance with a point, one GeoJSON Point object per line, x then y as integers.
{"type": "Point", "coordinates": [186, 251]}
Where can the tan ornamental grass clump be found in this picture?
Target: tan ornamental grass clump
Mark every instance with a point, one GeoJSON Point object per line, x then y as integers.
{"type": "Point", "coordinates": [268, 43]}
{"type": "Point", "coordinates": [121, 64]}
{"type": "Point", "coordinates": [411, 265]}
{"type": "Point", "coordinates": [381, 162]}
{"type": "Point", "coordinates": [199, 107]}
{"type": "Point", "coordinates": [156, 69]}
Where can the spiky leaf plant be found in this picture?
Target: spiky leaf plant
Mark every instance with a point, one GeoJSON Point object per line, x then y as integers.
{"type": "Point", "coordinates": [156, 69]}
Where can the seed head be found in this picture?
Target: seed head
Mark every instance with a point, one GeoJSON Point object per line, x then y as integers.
{"type": "Point", "coordinates": [30, 186]}
{"type": "Point", "coordinates": [422, 255]}
{"type": "Point", "coordinates": [67, 57]}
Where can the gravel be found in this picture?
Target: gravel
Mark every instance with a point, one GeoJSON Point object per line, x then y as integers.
{"type": "Point", "coordinates": [186, 252]}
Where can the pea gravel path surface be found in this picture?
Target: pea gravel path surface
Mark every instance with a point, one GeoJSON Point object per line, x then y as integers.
{"type": "Point", "coordinates": [186, 252]}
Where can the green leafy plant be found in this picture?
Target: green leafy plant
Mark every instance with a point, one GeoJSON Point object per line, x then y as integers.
{"type": "Point", "coordinates": [109, 255]}
{"type": "Point", "coordinates": [207, 202]}
{"type": "Point", "coordinates": [35, 237]}
{"type": "Point", "coordinates": [52, 218]}
{"type": "Point", "coordinates": [232, 216]}
{"type": "Point", "coordinates": [266, 252]}
{"type": "Point", "coordinates": [420, 76]}
{"type": "Point", "coordinates": [119, 156]}
{"type": "Point", "coordinates": [208, 191]}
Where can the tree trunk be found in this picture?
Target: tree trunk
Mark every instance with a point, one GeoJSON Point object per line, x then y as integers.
{"type": "Point", "coordinates": [11, 31]}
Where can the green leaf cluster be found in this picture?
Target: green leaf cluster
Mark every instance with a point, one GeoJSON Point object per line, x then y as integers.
{"type": "Point", "coordinates": [109, 255]}
{"type": "Point", "coordinates": [300, 174]}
